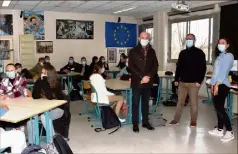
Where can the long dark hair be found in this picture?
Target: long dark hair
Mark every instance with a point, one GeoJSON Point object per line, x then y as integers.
{"type": "Point", "coordinates": [228, 50]}
{"type": "Point", "coordinates": [97, 68]}
{"type": "Point", "coordinates": [123, 55]}
{"type": "Point", "coordinates": [51, 75]}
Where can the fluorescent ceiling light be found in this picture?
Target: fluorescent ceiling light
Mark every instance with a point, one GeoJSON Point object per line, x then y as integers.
{"type": "Point", "coordinates": [6, 3]}
{"type": "Point", "coordinates": [128, 9]}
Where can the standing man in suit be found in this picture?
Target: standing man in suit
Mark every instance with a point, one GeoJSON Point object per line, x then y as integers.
{"type": "Point", "coordinates": [143, 65]}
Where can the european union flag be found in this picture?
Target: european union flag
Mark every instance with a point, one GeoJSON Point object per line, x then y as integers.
{"type": "Point", "coordinates": [120, 34]}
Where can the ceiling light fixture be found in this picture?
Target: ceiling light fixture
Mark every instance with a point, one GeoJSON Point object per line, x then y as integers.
{"type": "Point", "coordinates": [6, 3]}
{"type": "Point", "coordinates": [124, 10]}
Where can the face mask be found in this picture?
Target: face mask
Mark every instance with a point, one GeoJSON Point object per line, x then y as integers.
{"type": "Point", "coordinates": [221, 47]}
{"type": "Point", "coordinates": [103, 61]}
{"type": "Point", "coordinates": [11, 75]}
{"type": "Point", "coordinates": [41, 64]}
{"type": "Point", "coordinates": [71, 61]}
{"type": "Point", "coordinates": [189, 43]}
{"type": "Point", "coordinates": [126, 63]}
{"type": "Point", "coordinates": [102, 70]}
{"type": "Point", "coordinates": [83, 62]}
{"type": "Point", "coordinates": [43, 76]}
{"type": "Point", "coordinates": [47, 60]}
{"type": "Point", "coordinates": [144, 42]}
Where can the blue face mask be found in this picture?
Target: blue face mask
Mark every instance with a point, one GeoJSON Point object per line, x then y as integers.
{"type": "Point", "coordinates": [189, 43]}
{"type": "Point", "coordinates": [11, 74]}
{"type": "Point", "coordinates": [221, 47]}
{"type": "Point", "coordinates": [71, 61]}
{"type": "Point", "coordinates": [83, 62]}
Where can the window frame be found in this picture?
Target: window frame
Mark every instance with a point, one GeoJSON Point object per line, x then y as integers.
{"type": "Point", "coordinates": [188, 20]}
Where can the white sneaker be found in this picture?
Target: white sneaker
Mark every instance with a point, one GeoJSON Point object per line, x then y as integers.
{"type": "Point", "coordinates": [122, 120]}
{"type": "Point", "coordinates": [216, 132]}
{"type": "Point", "coordinates": [229, 135]}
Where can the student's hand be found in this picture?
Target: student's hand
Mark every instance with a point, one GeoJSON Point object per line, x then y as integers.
{"type": "Point", "coordinates": [130, 79]}
{"type": "Point", "coordinates": [2, 97]}
{"type": "Point", "coordinates": [4, 106]}
{"type": "Point", "coordinates": [176, 83]}
{"type": "Point", "coordinates": [212, 89]}
{"type": "Point", "coordinates": [215, 90]}
{"type": "Point", "coordinates": [198, 85]}
{"type": "Point", "coordinates": [119, 78]}
{"type": "Point", "coordinates": [145, 79]}
{"type": "Point", "coordinates": [66, 70]}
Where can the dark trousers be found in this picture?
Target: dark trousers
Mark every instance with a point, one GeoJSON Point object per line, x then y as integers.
{"type": "Point", "coordinates": [76, 80]}
{"type": "Point", "coordinates": [144, 94]}
{"type": "Point", "coordinates": [219, 102]}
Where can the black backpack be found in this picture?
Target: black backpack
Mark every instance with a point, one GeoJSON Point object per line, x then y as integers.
{"type": "Point", "coordinates": [34, 149]}
{"type": "Point", "coordinates": [58, 146]}
{"type": "Point", "coordinates": [75, 95]}
{"type": "Point", "coordinates": [109, 119]}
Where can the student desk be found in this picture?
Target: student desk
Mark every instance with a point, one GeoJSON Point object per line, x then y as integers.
{"type": "Point", "coordinates": [167, 78]}
{"type": "Point", "coordinates": [119, 85]}
{"type": "Point", "coordinates": [24, 108]}
{"type": "Point", "coordinates": [209, 99]}
{"type": "Point", "coordinates": [233, 91]}
{"type": "Point", "coordinates": [114, 71]}
{"type": "Point", "coordinates": [68, 76]}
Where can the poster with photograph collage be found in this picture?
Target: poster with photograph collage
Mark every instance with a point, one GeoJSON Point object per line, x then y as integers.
{"type": "Point", "coordinates": [113, 54]}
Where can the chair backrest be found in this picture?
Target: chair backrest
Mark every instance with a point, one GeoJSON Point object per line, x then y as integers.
{"type": "Point", "coordinates": [29, 94]}
{"type": "Point", "coordinates": [86, 85]}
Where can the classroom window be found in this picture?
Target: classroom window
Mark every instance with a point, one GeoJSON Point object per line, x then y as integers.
{"type": "Point", "coordinates": [203, 30]}
{"type": "Point", "coordinates": [151, 32]}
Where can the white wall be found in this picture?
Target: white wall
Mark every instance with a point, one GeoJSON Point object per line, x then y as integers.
{"type": "Point", "coordinates": [65, 48]}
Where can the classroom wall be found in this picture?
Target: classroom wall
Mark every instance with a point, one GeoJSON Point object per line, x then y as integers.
{"type": "Point", "coordinates": [65, 48]}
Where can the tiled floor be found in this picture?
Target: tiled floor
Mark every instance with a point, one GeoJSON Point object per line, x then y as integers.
{"type": "Point", "coordinates": [178, 139]}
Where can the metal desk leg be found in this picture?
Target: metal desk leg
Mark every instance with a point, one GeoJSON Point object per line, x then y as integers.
{"type": "Point", "coordinates": [49, 126]}
{"type": "Point", "coordinates": [129, 97]}
{"type": "Point", "coordinates": [167, 88]}
{"type": "Point", "coordinates": [36, 127]}
{"type": "Point", "coordinates": [69, 81]}
{"type": "Point", "coordinates": [229, 105]}
{"type": "Point", "coordinates": [209, 99]}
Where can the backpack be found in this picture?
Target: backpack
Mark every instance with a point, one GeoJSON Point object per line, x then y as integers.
{"type": "Point", "coordinates": [109, 119]}
{"type": "Point", "coordinates": [157, 120]}
{"type": "Point", "coordinates": [34, 149]}
{"type": "Point", "coordinates": [75, 95]}
{"type": "Point", "coordinates": [58, 145]}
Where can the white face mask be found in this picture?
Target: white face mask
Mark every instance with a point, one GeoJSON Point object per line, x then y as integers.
{"type": "Point", "coordinates": [83, 62]}
{"type": "Point", "coordinates": [144, 42]}
{"type": "Point", "coordinates": [41, 64]}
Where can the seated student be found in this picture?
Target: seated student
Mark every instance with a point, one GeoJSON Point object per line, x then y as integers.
{"type": "Point", "coordinates": [71, 66]}
{"type": "Point", "coordinates": [13, 85]}
{"type": "Point", "coordinates": [84, 69]}
{"type": "Point", "coordinates": [48, 86]}
{"type": "Point", "coordinates": [36, 70]}
{"type": "Point", "coordinates": [15, 139]}
{"type": "Point", "coordinates": [47, 59]}
{"type": "Point", "coordinates": [122, 62]}
{"type": "Point", "coordinates": [104, 63]}
{"type": "Point", "coordinates": [23, 72]}
{"type": "Point", "coordinates": [94, 61]}
{"type": "Point", "coordinates": [124, 74]}
{"type": "Point", "coordinates": [104, 96]}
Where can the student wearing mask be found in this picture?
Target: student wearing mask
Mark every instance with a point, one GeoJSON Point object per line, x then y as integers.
{"type": "Point", "coordinates": [122, 62]}
{"type": "Point", "coordinates": [102, 60]}
{"type": "Point", "coordinates": [104, 96]}
{"type": "Point", "coordinates": [15, 139]}
{"type": "Point", "coordinates": [84, 70]}
{"type": "Point", "coordinates": [47, 59]}
{"type": "Point", "coordinates": [189, 75]}
{"type": "Point", "coordinates": [220, 89]}
{"type": "Point", "coordinates": [125, 73]}
{"type": "Point", "coordinates": [36, 70]}
{"type": "Point", "coordinates": [143, 65]}
{"type": "Point", "coordinates": [23, 72]}
{"type": "Point", "coordinates": [71, 66]}
{"type": "Point", "coordinates": [48, 86]}
{"type": "Point", "coordinates": [13, 85]}
{"type": "Point", "coordinates": [94, 61]}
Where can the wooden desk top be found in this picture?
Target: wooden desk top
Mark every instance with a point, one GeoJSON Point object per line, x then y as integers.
{"type": "Point", "coordinates": [17, 114]}
{"type": "Point", "coordinates": [162, 74]}
{"type": "Point", "coordinates": [69, 74]}
{"type": "Point", "coordinates": [114, 70]}
{"type": "Point", "coordinates": [115, 84]}
{"type": "Point", "coordinates": [25, 108]}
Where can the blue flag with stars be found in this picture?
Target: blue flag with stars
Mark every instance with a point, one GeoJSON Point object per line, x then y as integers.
{"type": "Point", "coordinates": [120, 34]}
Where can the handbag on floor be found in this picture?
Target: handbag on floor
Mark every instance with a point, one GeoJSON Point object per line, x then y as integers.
{"type": "Point", "coordinates": [58, 145]}
{"type": "Point", "coordinates": [109, 119]}
{"type": "Point", "coordinates": [157, 120]}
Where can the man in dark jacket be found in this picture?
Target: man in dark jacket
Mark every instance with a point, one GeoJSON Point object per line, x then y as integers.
{"type": "Point", "coordinates": [143, 65]}
{"type": "Point", "coordinates": [190, 72]}
{"type": "Point", "coordinates": [71, 66]}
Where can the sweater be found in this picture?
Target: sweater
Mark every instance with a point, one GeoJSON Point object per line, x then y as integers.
{"type": "Point", "coordinates": [191, 66]}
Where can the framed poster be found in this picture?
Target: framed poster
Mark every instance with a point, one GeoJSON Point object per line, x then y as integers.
{"type": "Point", "coordinates": [6, 25]}
{"type": "Point", "coordinates": [44, 46]}
{"type": "Point", "coordinates": [112, 55]}
{"type": "Point", "coordinates": [34, 24]}
{"type": "Point", "coordinates": [74, 29]}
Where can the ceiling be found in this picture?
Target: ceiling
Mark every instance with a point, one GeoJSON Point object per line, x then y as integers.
{"type": "Point", "coordinates": [142, 7]}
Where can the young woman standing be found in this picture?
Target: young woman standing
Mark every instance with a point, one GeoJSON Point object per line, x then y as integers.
{"type": "Point", "coordinates": [221, 87]}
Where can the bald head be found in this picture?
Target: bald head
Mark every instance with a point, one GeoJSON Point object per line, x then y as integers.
{"type": "Point", "coordinates": [144, 35]}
